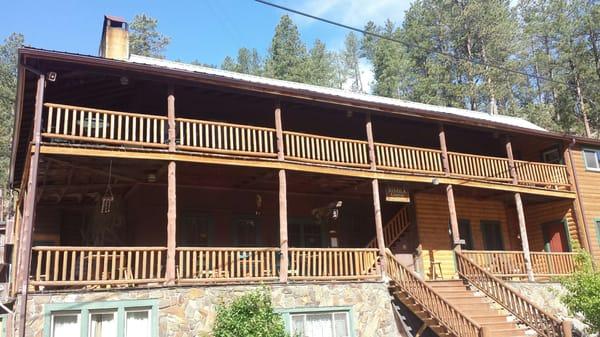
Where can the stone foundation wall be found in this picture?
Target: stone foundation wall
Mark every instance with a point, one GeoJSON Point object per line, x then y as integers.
{"type": "Point", "coordinates": [190, 311]}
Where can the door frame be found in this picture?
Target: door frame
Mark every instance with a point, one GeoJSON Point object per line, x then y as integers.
{"type": "Point", "coordinates": [565, 227]}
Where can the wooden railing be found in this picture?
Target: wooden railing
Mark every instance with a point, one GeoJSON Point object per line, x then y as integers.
{"type": "Point", "coordinates": [393, 229]}
{"type": "Point", "coordinates": [314, 148]}
{"type": "Point", "coordinates": [96, 266]}
{"type": "Point", "coordinates": [333, 264]}
{"type": "Point", "coordinates": [225, 138]}
{"type": "Point", "coordinates": [78, 124]}
{"type": "Point", "coordinates": [203, 264]}
{"type": "Point", "coordinates": [406, 158]}
{"type": "Point", "coordinates": [103, 126]}
{"type": "Point", "coordinates": [529, 313]}
{"type": "Point", "coordinates": [542, 174]}
{"type": "Point", "coordinates": [431, 302]}
{"type": "Point", "coordinates": [511, 264]}
{"type": "Point", "coordinates": [481, 167]}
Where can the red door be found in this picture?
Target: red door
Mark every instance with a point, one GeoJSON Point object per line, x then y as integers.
{"type": "Point", "coordinates": [556, 238]}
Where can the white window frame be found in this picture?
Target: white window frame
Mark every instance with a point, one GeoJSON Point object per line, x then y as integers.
{"type": "Point", "coordinates": [139, 309]}
{"type": "Point", "coordinates": [332, 314]}
{"type": "Point", "coordinates": [64, 313]}
{"type": "Point", "coordinates": [114, 313]}
{"type": "Point", "coordinates": [585, 163]}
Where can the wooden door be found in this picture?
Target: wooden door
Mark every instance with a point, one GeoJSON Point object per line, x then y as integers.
{"type": "Point", "coordinates": [555, 237]}
{"type": "Point", "coordinates": [492, 235]}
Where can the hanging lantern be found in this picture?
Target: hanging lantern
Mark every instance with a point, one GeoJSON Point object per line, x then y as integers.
{"type": "Point", "coordinates": [108, 198]}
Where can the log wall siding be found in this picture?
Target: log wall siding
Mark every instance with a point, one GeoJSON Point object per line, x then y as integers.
{"type": "Point", "coordinates": [432, 218]}
{"type": "Point", "coordinates": [589, 187]}
{"type": "Point", "coordinates": [540, 214]}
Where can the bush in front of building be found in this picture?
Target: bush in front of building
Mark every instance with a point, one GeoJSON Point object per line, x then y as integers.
{"type": "Point", "coordinates": [250, 315]}
{"type": "Point", "coordinates": [583, 293]}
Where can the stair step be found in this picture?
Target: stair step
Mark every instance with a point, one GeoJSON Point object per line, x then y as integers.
{"type": "Point", "coordinates": [446, 283]}
{"type": "Point", "coordinates": [514, 332]}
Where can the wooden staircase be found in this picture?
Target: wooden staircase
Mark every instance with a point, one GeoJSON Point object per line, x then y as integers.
{"type": "Point", "coordinates": [393, 229]}
{"type": "Point", "coordinates": [479, 308]}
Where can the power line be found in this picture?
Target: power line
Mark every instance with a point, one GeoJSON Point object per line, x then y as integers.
{"type": "Point", "coordinates": [410, 45]}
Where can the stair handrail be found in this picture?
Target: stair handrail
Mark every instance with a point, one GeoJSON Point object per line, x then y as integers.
{"type": "Point", "coordinates": [431, 301]}
{"type": "Point", "coordinates": [393, 229]}
{"type": "Point", "coordinates": [544, 323]}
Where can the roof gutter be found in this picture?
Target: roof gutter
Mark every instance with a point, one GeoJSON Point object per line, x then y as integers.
{"type": "Point", "coordinates": [292, 93]}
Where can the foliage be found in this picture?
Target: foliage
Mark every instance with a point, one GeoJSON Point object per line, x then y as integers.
{"type": "Point", "coordinates": [250, 315]}
{"type": "Point", "coordinates": [145, 39]}
{"type": "Point", "coordinates": [287, 54]}
{"type": "Point", "coordinates": [247, 62]}
{"type": "Point", "coordinates": [8, 87]}
{"type": "Point", "coordinates": [583, 292]}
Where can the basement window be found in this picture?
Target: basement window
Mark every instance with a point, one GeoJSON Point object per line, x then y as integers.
{"type": "Point", "coordinates": [592, 159]}
{"type": "Point", "coordinates": [102, 319]}
{"type": "Point", "coordinates": [319, 322]}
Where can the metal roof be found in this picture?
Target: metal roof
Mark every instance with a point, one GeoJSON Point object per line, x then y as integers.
{"type": "Point", "coordinates": [476, 115]}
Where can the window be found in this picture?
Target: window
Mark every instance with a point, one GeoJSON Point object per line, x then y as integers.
{"type": "Point", "coordinates": [321, 322]}
{"type": "Point", "coordinates": [195, 230]}
{"type": "Point", "coordinates": [592, 159]}
{"type": "Point", "coordinates": [305, 233]}
{"type": "Point", "coordinates": [597, 221]}
{"type": "Point", "coordinates": [492, 235]}
{"type": "Point", "coordinates": [102, 319]}
{"type": "Point", "coordinates": [464, 228]}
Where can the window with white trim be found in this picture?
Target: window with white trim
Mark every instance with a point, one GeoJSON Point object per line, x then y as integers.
{"type": "Point", "coordinates": [592, 159]}
{"type": "Point", "coordinates": [102, 319]}
{"type": "Point", "coordinates": [320, 324]}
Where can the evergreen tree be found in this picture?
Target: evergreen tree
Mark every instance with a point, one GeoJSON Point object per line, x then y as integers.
{"type": "Point", "coordinates": [145, 39]}
{"type": "Point", "coordinates": [351, 59]}
{"type": "Point", "coordinates": [8, 87]}
{"type": "Point", "coordinates": [247, 62]}
{"type": "Point", "coordinates": [322, 67]}
{"type": "Point", "coordinates": [287, 55]}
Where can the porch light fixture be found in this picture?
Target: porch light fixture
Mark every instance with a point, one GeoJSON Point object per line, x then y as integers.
{"type": "Point", "coordinates": [52, 76]}
{"type": "Point", "coordinates": [124, 80]}
{"type": "Point", "coordinates": [435, 181]}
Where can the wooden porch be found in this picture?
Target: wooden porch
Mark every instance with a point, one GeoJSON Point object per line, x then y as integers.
{"type": "Point", "coordinates": [83, 126]}
{"type": "Point", "coordinates": [114, 267]}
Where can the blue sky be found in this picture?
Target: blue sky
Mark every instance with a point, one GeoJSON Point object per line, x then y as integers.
{"type": "Point", "coordinates": [206, 30]}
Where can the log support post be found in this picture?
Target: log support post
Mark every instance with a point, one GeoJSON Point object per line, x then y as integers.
{"type": "Point", "coordinates": [283, 221]}
{"type": "Point", "coordinates": [520, 213]}
{"type": "Point", "coordinates": [170, 273]}
{"type": "Point", "coordinates": [29, 206]}
{"type": "Point", "coordinates": [376, 195]}
{"type": "Point", "coordinates": [456, 246]}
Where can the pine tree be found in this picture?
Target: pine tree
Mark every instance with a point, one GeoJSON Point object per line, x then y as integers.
{"type": "Point", "coordinates": [322, 67]}
{"type": "Point", "coordinates": [8, 85]}
{"type": "Point", "coordinates": [287, 55]}
{"type": "Point", "coordinates": [247, 62]}
{"type": "Point", "coordinates": [145, 39]}
{"type": "Point", "coordinates": [351, 59]}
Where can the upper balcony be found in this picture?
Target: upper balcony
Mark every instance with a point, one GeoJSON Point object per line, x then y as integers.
{"type": "Point", "coordinates": [257, 146]}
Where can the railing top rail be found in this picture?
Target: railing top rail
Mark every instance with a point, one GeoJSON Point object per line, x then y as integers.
{"type": "Point", "coordinates": [477, 156]}
{"type": "Point", "coordinates": [507, 289]}
{"type": "Point", "coordinates": [294, 133]}
{"type": "Point", "coordinates": [540, 164]}
{"type": "Point", "coordinates": [227, 249]}
{"type": "Point", "coordinates": [95, 248]}
{"type": "Point", "coordinates": [490, 252]}
{"type": "Point", "coordinates": [474, 324]}
{"type": "Point", "coordinates": [132, 114]}
{"type": "Point", "coordinates": [409, 147]}
{"type": "Point", "coordinates": [243, 126]}
{"type": "Point", "coordinates": [334, 249]}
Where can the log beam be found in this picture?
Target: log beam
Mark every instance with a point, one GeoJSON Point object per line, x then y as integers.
{"type": "Point", "coordinates": [375, 189]}
{"type": "Point", "coordinates": [29, 206]}
{"type": "Point", "coordinates": [170, 273]}
{"type": "Point", "coordinates": [450, 193]}
{"type": "Point", "coordinates": [520, 213]}
{"type": "Point", "coordinates": [283, 221]}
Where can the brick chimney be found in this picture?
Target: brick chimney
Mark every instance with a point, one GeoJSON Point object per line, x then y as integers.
{"type": "Point", "coordinates": [115, 38]}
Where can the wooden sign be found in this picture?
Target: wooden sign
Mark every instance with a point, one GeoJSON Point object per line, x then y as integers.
{"type": "Point", "coordinates": [397, 193]}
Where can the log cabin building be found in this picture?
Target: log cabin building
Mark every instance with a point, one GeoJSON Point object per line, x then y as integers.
{"type": "Point", "coordinates": [150, 191]}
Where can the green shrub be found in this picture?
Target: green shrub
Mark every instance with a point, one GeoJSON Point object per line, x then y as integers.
{"type": "Point", "coordinates": [583, 292]}
{"type": "Point", "coordinates": [250, 315]}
